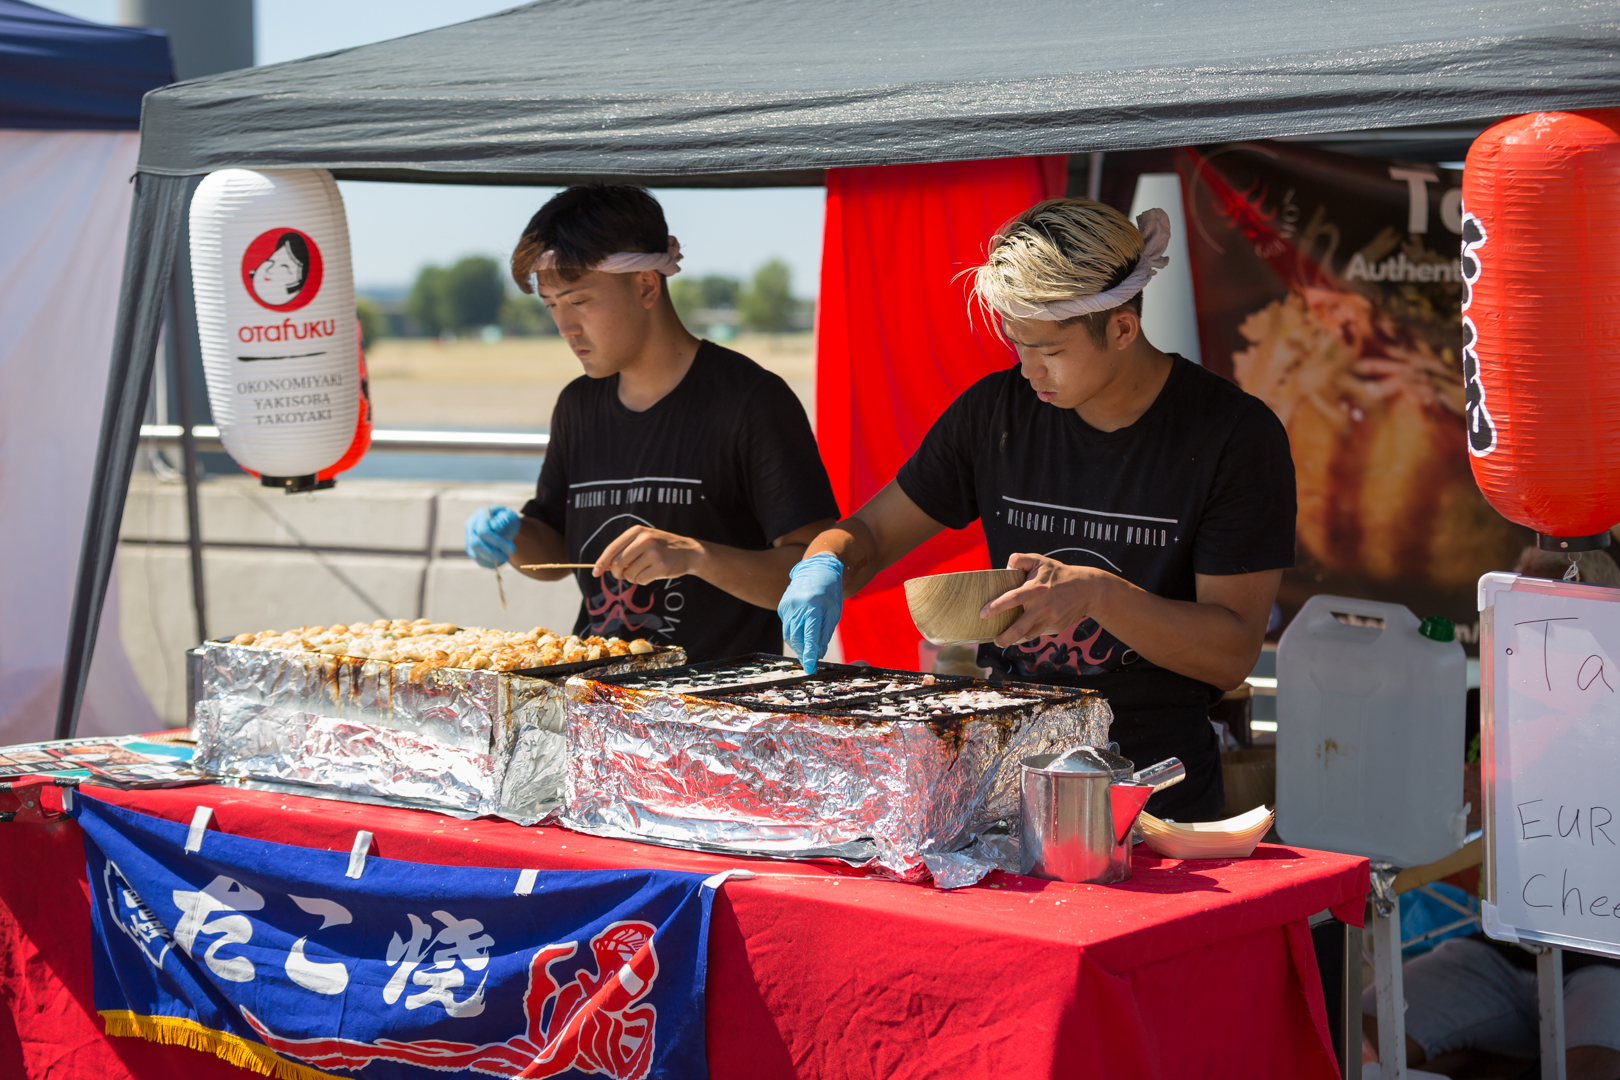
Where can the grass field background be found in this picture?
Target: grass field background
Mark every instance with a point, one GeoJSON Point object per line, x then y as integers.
{"type": "Point", "coordinates": [512, 384]}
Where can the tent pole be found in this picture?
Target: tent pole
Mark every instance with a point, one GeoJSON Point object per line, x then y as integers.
{"type": "Point", "coordinates": [1094, 176]}
{"type": "Point", "coordinates": [156, 221]}
{"type": "Point", "coordinates": [188, 453]}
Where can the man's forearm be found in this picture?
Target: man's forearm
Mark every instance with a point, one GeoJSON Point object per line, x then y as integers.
{"type": "Point", "coordinates": [537, 542]}
{"type": "Point", "coordinates": [876, 536]}
{"type": "Point", "coordinates": [851, 542]}
{"type": "Point", "coordinates": [1200, 640]}
{"type": "Point", "coordinates": [758, 577]}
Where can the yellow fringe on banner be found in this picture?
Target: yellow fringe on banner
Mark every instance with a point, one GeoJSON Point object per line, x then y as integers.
{"type": "Point", "coordinates": [179, 1031]}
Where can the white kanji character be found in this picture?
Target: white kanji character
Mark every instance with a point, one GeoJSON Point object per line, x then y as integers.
{"type": "Point", "coordinates": [221, 894]}
{"type": "Point", "coordinates": [455, 941]}
{"type": "Point", "coordinates": [407, 955]}
{"type": "Point", "coordinates": [461, 940]}
{"type": "Point", "coordinates": [331, 978]}
{"type": "Point", "coordinates": [440, 979]}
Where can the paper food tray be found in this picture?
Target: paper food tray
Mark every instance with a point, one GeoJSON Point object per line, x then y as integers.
{"type": "Point", "coordinates": [1234, 838]}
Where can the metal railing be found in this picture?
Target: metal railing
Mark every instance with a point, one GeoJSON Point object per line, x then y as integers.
{"type": "Point", "coordinates": [514, 443]}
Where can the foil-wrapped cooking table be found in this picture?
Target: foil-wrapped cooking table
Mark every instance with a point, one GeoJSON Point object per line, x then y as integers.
{"type": "Point", "coordinates": [460, 740]}
{"type": "Point", "coordinates": [890, 768]}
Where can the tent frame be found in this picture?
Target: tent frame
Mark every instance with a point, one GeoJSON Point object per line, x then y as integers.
{"type": "Point", "coordinates": [702, 114]}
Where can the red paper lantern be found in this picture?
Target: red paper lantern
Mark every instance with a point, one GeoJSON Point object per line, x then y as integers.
{"type": "Point", "coordinates": [362, 430]}
{"type": "Point", "coordinates": [1541, 322]}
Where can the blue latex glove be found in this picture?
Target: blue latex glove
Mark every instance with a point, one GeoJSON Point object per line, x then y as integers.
{"type": "Point", "coordinates": [811, 605]}
{"type": "Point", "coordinates": [490, 532]}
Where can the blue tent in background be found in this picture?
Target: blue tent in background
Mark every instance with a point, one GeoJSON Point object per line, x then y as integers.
{"type": "Point", "coordinates": [61, 73]}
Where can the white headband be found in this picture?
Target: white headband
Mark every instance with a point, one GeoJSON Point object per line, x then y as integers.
{"type": "Point", "coordinates": [1155, 226]}
{"type": "Point", "coordinates": [667, 262]}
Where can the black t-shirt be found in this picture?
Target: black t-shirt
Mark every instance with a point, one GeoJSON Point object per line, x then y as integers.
{"type": "Point", "coordinates": [1201, 483]}
{"type": "Point", "coordinates": [726, 456]}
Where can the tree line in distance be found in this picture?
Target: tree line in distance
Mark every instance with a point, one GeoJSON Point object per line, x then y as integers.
{"type": "Point", "coordinates": [475, 298]}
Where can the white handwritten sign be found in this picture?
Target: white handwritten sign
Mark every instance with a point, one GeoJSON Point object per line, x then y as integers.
{"type": "Point", "coordinates": [1550, 752]}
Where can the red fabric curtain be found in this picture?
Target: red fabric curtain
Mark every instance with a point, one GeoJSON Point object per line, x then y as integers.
{"type": "Point", "coordinates": [895, 345]}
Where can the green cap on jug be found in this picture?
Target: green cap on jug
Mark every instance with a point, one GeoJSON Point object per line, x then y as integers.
{"type": "Point", "coordinates": [1438, 628]}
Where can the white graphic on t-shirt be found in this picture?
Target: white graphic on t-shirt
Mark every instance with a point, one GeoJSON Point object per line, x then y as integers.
{"type": "Point", "coordinates": [636, 480]}
{"type": "Point", "coordinates": [589, 540]}
{"type": "Point", "coordinates": [631, 491]}
{"type": "Point", "coordinates": [1060, 552]}
{"type": "Point", "coordinates": [622, 607]}
{"type": "Point", "coordinates": [1085, 527]}
{"type": "Point", "coordinates": [1079, 650]}
{"type": "Point", "coordinates": [1084, 648]}
{"type": "Point", "coordinates": [1093, 513]}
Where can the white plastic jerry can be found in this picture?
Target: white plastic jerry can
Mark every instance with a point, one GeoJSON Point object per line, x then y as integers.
{"type": "Point", "coordinates": [1370, 732]}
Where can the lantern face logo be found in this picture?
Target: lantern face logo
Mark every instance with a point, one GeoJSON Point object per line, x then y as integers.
{"type": "Point", "coordinates": [282, 269]}
{"type": "Point", "coordinates": [1481, 428]}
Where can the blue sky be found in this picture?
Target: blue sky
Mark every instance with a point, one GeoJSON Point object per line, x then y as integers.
{"type": "Point", "coordinates": [397, 228]}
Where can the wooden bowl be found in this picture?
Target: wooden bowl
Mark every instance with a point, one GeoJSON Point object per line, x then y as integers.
{"type": "Point", "coordinates": [945, 607]}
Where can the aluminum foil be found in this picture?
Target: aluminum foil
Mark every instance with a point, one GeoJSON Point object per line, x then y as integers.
{"type": "Point", "coordinates": [978, 854]}
{"type": "Point", "coordinates": [691, 772]}
{"type": "Point", "coordinates": [480, 742]}
{"type": "Point", "coordinates": [531, 785]}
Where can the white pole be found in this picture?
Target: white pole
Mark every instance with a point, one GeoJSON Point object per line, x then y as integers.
{"type": "Point", "coordinates": [1391, 997]}
{"type": "Point", "coordinates": [1094, 176]}
{"type": "Point", "coordinates": [1550, 1001]}
{"type": "Point", "coordinates": [1169, 310]}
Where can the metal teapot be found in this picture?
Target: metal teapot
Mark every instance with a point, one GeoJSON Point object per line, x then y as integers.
{"type": "Point", "coordinates": [1078, 808]}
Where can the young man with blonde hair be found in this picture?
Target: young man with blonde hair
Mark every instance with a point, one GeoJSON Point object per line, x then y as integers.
{"type": "Point", "coordinates": [1151, 502]}
{"type": "Point", "coordinates": [684, 471]}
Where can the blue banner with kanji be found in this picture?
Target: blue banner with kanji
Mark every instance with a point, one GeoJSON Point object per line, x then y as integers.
{"type": "Point", "coordinates": [274, 958]}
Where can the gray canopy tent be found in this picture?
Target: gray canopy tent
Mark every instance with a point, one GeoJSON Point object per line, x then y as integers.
{"type": "Point", "coordinates": [751, 93]}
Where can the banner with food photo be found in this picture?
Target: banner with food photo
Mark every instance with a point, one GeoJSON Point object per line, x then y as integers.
{"type": "Point", "coordinates": [1329, 286]}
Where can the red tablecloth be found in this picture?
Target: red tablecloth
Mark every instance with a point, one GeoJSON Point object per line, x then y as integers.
{"type": "Point", "coordinates": [1201, 968]}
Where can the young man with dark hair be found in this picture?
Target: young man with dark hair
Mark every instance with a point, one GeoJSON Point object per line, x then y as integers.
{"type": "Point", "coordinates": [1151, 502]}
{"type": "Point", "coordinates": [685, 472]}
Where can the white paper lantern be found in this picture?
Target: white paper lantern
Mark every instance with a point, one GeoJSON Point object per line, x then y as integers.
{"type": "Point", "coordinates": [275, 313]}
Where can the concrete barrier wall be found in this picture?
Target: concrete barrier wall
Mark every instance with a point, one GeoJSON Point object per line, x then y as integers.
{"type": "Point", "coordinates": [364, 550]}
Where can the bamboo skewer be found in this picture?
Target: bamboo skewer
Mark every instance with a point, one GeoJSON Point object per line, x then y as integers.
{"type": "Point", "coordinates": [558, 566]}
